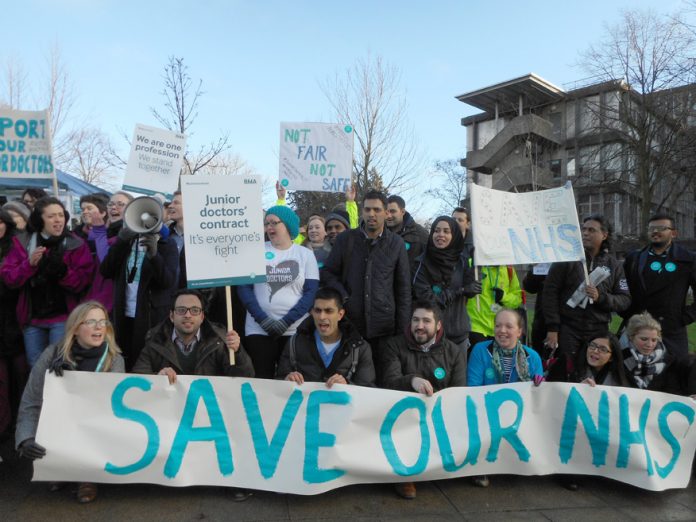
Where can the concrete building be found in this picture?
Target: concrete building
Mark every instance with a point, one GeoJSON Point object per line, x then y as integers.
{"type": "Point", "coordinates": [534, 135]}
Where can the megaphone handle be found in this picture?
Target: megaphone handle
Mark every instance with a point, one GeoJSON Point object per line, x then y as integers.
{"type": "Point", "coordinates": [230, 326]}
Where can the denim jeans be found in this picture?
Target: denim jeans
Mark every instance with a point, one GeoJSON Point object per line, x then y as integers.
{"type": "Point", "coordinates": [37, 338]}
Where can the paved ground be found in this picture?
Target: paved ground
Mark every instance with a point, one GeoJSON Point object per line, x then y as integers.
{"type": "Point", "coordinates": [509, 498]}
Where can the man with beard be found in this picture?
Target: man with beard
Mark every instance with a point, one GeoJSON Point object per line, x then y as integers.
{"type": "Point", "coordinates": [659, 276]}
{"type": "Point", "coordinates": [424, 361]}
{"type": "Point", "coordinates": [369, 267]}
{"type": "Point", "coordinates": [402, 223]}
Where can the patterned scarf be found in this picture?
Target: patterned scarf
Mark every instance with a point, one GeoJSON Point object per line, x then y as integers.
{"type": "Point", "coordinates": [644, 367]}
{"type": "Point", "coordinates": [521, 364]}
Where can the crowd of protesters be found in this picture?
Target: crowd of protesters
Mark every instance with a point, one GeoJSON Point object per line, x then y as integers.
{"type": "Point", "coordinates": [367, 298]}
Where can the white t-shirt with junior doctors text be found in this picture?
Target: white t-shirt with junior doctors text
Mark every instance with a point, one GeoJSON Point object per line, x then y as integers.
{"type": "Point", "coordinates": [286, 272]}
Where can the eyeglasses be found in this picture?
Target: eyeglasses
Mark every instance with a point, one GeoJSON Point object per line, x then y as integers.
{"type": "Point", "coordinates": [181, 310]}
{"type": "Point", "coordinates": [119, 204]}
{"type": "Point", "coordinates": [272, 223]}
{"type": "Point", "coordinates": [594, 347]}
{"type": "Point", "coordinates": [659, 228]}
{"type": "Point", "coordinates": [93, 323]}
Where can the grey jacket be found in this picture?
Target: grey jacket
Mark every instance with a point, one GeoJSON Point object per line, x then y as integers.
{"type": "Point", "coordinates": [32, 398]}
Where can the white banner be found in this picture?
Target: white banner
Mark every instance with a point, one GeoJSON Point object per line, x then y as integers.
{"type": "Point", "coordinates": [316, 156]}
{"type": "Point", "coordinates": [518, 229]}
{"type": "Point", "coordinates": [25, 144]}
{"type": "Point", "coordinates": [155, 160]}
{"type": "Point", "coordinates": [275, 435]}
{"type": "Point", "coordinates": [224, 230]}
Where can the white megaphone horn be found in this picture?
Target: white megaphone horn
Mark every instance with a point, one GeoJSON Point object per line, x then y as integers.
{"type": "Point", "coordinates": [144, 215]}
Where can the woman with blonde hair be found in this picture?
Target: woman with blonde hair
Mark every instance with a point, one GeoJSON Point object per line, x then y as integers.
{"type": "Point", "coordinates": [647, 363]}
{"type": "Point", "coordinates": [88, 345]}
{"type": "Point", "coordinates": [316, 239]}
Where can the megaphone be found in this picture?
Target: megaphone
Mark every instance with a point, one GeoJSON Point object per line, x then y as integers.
{"type": "Point", "coordinates": [144, 215]}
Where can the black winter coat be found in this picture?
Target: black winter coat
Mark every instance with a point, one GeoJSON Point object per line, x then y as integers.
{"type": "Point", "coordinates": [444, 365]}
{"type": "Point", "coordinates": [310, 364]}
{"type": "Point", "coordinates": [665, 298]}
{"type": "Point", "coordinates": [415, 239]}
{"type": "Point", "coordinates": [213, 357]}
{"type": "Point", "coordinates": [564, 278]}
{"type": "Point", "coordinates": [157, 279]}
{"type": "Point", "coordinates": [452, 299]}
{"type": "Point", "coordinates": [673, 379]}
{"type": "Point", "coordinates": [374, 277]}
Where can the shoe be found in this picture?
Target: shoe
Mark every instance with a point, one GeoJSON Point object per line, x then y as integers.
{"type": "Point", "coordinates": [481, 481]}
{"type": "Point", "coordinates": [240, 495]}
{"type": "Point", "coordinates": [55, 486]}
{"type": "Point", "coordinates": [406, 490]}
{"type": "Point", "coordinates": [86, 492]}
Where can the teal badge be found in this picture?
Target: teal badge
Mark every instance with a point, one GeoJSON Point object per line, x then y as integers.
{"type": "Point", "coordinates": [439, 373]}
{"type": "Point", "coordinates": [285, 182]}
{"type": "Point", "coordinates": [655, 266]}
{"type": "Point", "coordinates": [320, 265]}
{"type": "Point", "coordinates": [490, 373]}
{"type": "Point", "coordinates": [408, 246]}
{"type": "Point", "coordinates": [348, 128]}
{"type": "Point", "coordinates": [437, 290]}
{"type": "Point", "coordinates": [270, 255]}
{"type": "Point", "coordinates": [670, 267]}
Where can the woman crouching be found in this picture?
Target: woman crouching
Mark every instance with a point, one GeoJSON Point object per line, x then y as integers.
{"type": "Point", "coordinates": [89, 346]}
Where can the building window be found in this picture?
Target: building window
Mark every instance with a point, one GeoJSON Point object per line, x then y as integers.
{"type": "Point", "coordinates": [555, 168]}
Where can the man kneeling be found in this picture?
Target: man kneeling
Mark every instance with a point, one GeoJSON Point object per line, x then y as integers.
{"type": "Point", "coordinates": [422, 360]}
{"type": "Point", "coordinates": [327, 348]}
{"type": "Point", "coordinates": [188, 344]}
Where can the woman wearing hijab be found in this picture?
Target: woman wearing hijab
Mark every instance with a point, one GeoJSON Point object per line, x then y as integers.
{"type": "Point", "coordinates": [444, 275]}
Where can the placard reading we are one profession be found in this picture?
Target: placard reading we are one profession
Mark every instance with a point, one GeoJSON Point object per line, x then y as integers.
{"type": "Point", "coordinates": [155, 160]}
{"type": "Point", "coordinates": [316, 156]}
{"type": "Point", "coordinates": [224, 230]}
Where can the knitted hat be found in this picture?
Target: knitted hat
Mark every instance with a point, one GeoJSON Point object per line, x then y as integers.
{"type": "Point", "coordinates": [18, 207]}
{"type": "Point", "coordinates": [288, 217]}
{"type": "Point", "coordinates": [338, 215]}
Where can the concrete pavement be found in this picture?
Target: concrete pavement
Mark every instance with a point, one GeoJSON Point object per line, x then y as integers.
{"type": "Point", "coordinates": [509, 498]}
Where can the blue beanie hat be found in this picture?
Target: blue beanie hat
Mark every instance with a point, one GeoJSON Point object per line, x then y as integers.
{"type": "Point", "coordinates": [288, 217]}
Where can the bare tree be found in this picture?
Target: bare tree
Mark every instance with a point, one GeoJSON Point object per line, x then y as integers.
{"type": "Point", "coordinates": [645, 124]}
{"type": "Point", "coordinates": [368, 97]}
{"type": "Point", "coordinates": [182, 97]}
{"type": "Point", "coordinates": [228, 164]}
{"type": "Point", "coordinates": [90, 156]}
{"type": "Point", "coordinates": [451, 188]}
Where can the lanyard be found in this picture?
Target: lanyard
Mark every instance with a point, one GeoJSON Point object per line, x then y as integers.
{"type": "Point", "coordinates": [100, 365]}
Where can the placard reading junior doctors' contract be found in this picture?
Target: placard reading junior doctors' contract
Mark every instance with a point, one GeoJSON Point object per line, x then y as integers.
{"type": "Point", "coordinates": [223, 231]}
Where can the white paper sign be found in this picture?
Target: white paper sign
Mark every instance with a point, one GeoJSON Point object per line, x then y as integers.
{"type": "Point", "coordinates": [316, 156]}
{"type": "Point", "coordinates": [224, 230]}
{"type": "Point", "coordinates": [277, 436]}
{"type": "Point", "coordinates": [527, 228]}
{"type": "Point", "coordinates": [25, 144]}
{"type": "Point", "coordinates": [155, 161]}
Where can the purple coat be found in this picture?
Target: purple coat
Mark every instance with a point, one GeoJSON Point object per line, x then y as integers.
{"type": "Point", "coordinates": [101, 289]}
{"type": "Point", "coordinates": [16, 272]}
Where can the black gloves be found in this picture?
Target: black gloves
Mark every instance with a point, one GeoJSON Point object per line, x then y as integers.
{"type": "Point", "coordinates": [498, 295]}
{"type": "Point", "coordinates": [58, 365]}
{"type": "Point", "coordinates": [274, 327]}
{"type": "Point", "coordinates": [126, 234]}
{"type": "Point", "coordinates": [30, 449]}
{"type": "Point", "coordinates": [149, 241]}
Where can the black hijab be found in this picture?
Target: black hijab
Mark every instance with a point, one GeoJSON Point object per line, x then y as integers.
{"type": "Point", "coordinates": [439, 263]}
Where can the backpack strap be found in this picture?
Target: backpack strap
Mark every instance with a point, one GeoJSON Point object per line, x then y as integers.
{"type": "Point", "coordinates": [293, 353]}
{"type": "Point", "coordinates": [355, 355]}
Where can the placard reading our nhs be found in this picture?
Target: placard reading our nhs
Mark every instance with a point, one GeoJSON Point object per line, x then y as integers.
{"type": "Point", "coordinates": [223, 237]}
{"type": "Point", "coordinates": [25, 144]}
{"type": "Point", "coordinates": [155, 160]}
{"type": "Point", "coordinates": [527, 228]}
{"type": "Point", "coordinates": [316, 156]}
{"type": "Point", "coordinates": [277, 436]}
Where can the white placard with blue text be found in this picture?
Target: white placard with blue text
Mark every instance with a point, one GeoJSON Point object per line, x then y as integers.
{"type": "Point", "coordinates": [25, 144]}
{"type": "Point", "coordinates": [526, 228]}
{"type": "Point", "coordinates": [316, 156]}
{"type": "Point", "coordinates": [223, 230]}
{"type": "Point", "coordinates": [277, 436]}
{"type": "Point", "coordinates": [155, 160]}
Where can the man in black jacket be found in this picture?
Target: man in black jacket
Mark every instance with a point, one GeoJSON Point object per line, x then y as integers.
{"type": "Point", "coordinates": [326, 347]}
{"type": "Point", "coordinates": [370, 268]}
{"type": "Point", "coordinates": [423, 360]}
{"type": "Point", "coordinates": [659, 276]}
{"type": "Point", "coordinates": [576, 313]}
{"type": "Point", "coordinates": [402, 223]}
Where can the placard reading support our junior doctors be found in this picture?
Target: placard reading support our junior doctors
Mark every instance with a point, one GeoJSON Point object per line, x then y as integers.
{"type": "Point", "coordinates": [527, 228]}
{"type": "Point", "coordinates": [224, 230]}
{"type": "Point", "coordinates": [25, 144]}
{"type": "Point", "coordinates": [155, 161]}
{"type": "Point", "coordinates": [316, 156]}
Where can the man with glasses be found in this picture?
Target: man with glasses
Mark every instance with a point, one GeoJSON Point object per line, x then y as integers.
{"type": "Point", "coordinates": [188, 344]}
{"type": "Point", "coordinates": [659, 276]}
